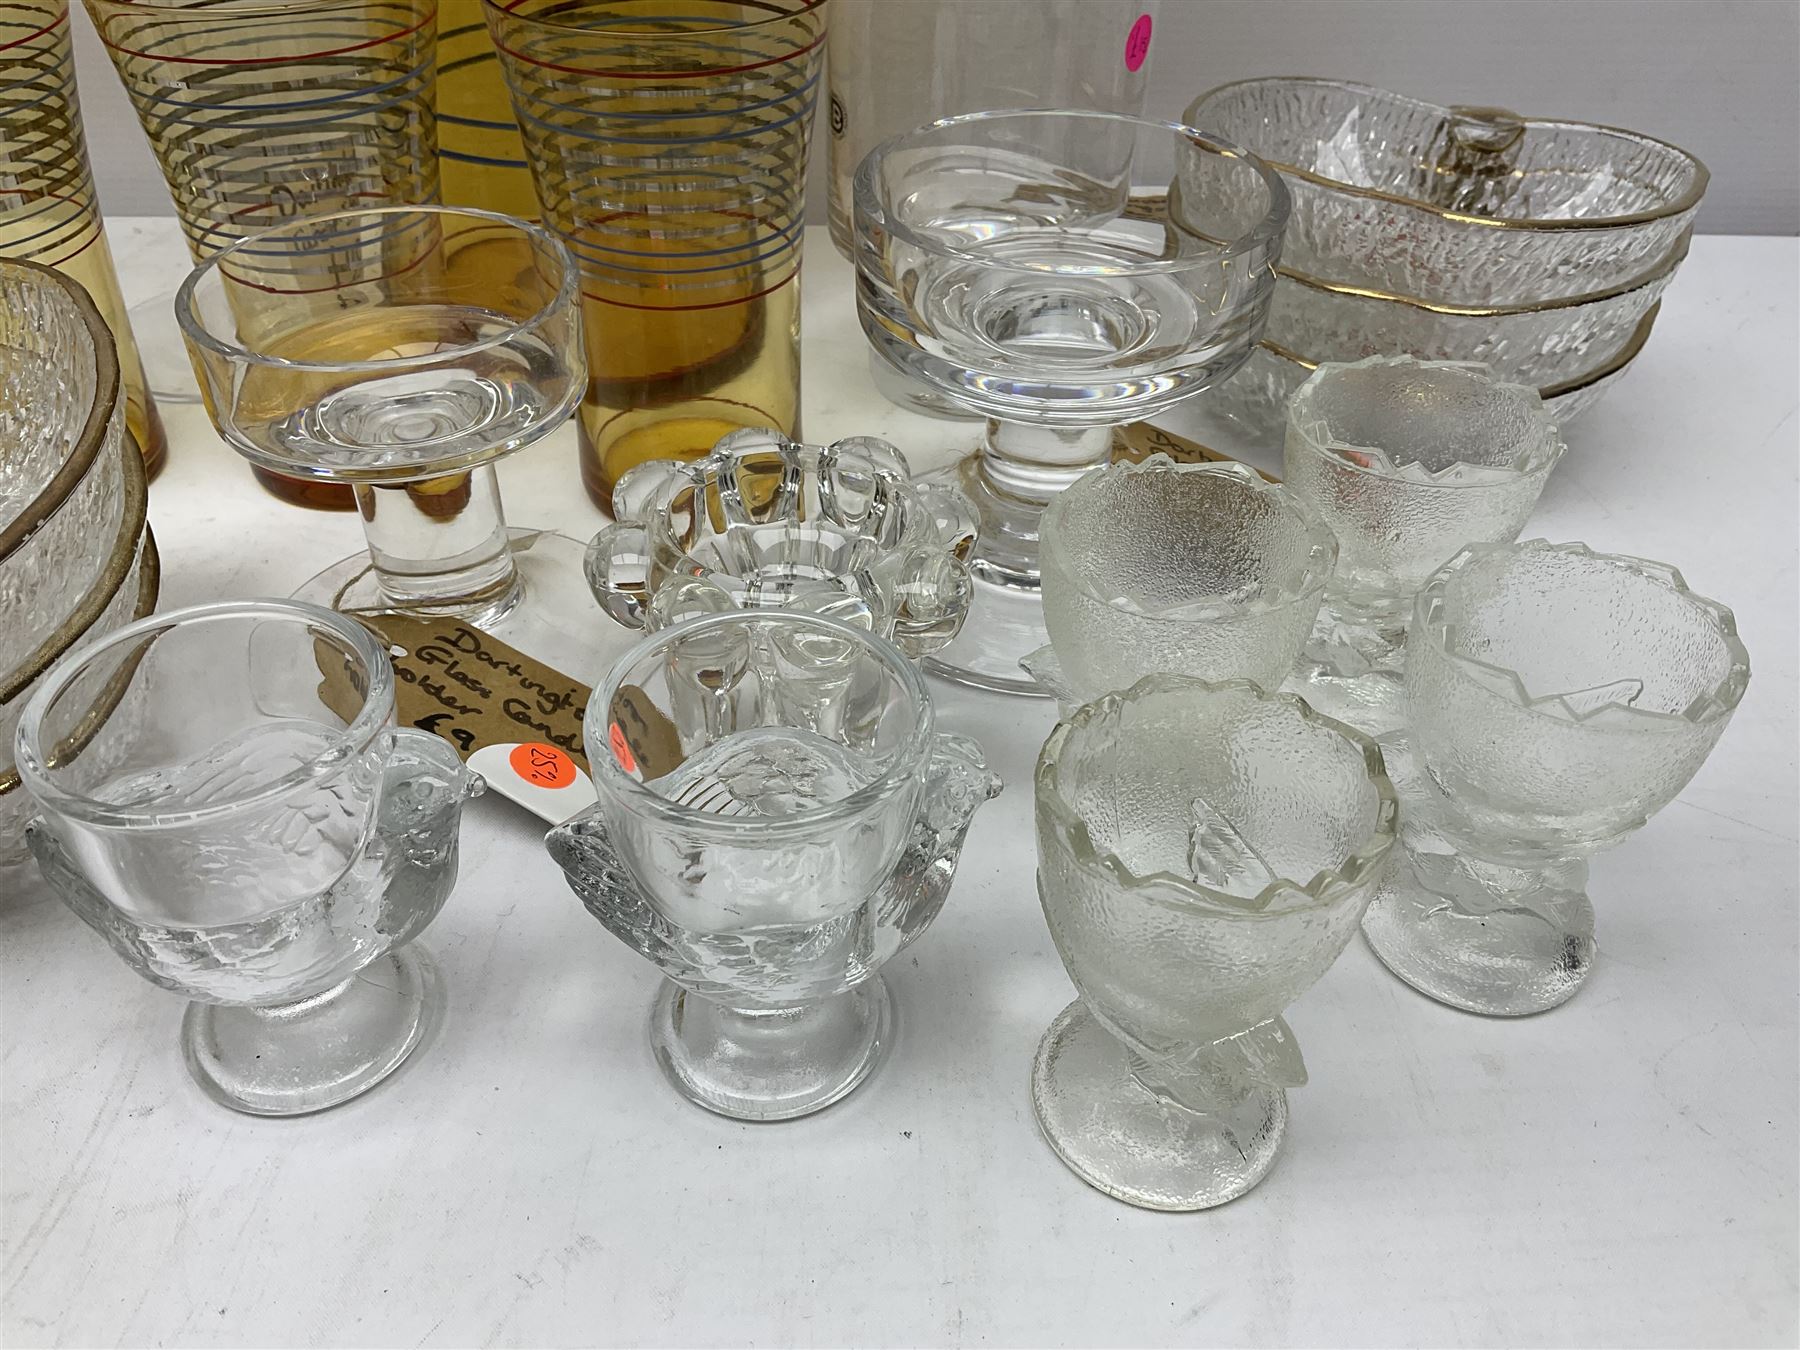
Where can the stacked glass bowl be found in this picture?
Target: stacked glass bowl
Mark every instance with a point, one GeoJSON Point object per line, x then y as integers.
{"type": "Point", "coordinates": [1540, 248]}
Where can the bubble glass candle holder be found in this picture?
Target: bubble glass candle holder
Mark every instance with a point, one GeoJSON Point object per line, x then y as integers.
{"type": "Point", "coordinates": [251, 831]}
{"type": "Point", "coordinates": [1204, 853]}
{"type": "Point", "coordinates": [777, 819]}
{"type": "Point", "coordinates": [1407, 461]}
{"type": "Point", "coordinates": [1038, 268]}
{"type": "Point", "coordinates": [1557, 698]}
{"type": "Point", "coordinates": [1208, 570]}
{"type": "Point", "coordinates": [768, 523]}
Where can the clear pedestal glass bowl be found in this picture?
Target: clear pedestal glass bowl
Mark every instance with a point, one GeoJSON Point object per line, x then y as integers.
{"type": "Point", "coordinates": [1204, 854]}
{"type": "Point", "coordinates": [1406, 462]}
{"type": "Point", "coordinates": [376, 348]}
{"type": "Point", "coordinates": [776, 820]}
{"type": "Point", "coordinates": [1557, 699]}
{"type": "Point", "coordinates": [251, 831]}
{"type": "Point", "coordinates": [1015, 263]}
{"type": "Point", "coordinates": [1461, 206]}
{"type": "Point", "coordinates": [768, 523]}
{"type": "Point", "coordinates": [1206, 570]}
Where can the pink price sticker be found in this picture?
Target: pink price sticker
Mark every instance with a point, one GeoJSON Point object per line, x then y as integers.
{"type": "Point", "coordinates": [1137, 43]}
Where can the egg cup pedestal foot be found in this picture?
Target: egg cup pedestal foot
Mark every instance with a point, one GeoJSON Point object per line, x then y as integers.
{"type": "Point", "coordinates": [1484, 955]}
{"type": "Point", "coordinates": [290, 1059]}
{"type": "Point", "coordinates": [770, 1063]}
{"type": "Point", "coordinates": [1135, 1144]}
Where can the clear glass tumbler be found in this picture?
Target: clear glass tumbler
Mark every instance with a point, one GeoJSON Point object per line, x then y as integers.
{"type": "Point", "coordinates": [1204, 853]}
{"type": "Point", "coordinates": [251, 831]}
{"type": "Point", "coordinates": [777, 819]}
{"type": "Point", "coordinates": [1557, 698]}
{"type": "Point", "coordinates": [1407, 461]}
{"type": "Point", "coordinates": [1208, 570]}
{"type": "Point", "coordinates": [669, 145]}
{"type": "Point", "coordinates": [1049, 270]}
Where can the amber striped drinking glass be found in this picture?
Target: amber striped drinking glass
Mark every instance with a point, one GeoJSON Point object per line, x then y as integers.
{"type": "Point", "coordinates": [668, 139]}
{"type": "Point", "coordinates": [49, 213]}
{"type": "Point", "coordinates": [260, 112]}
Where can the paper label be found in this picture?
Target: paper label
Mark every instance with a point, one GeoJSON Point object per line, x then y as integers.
{"type": "Point", "coordinates": [1139, 440]}
{"type": "Point", "coordinates": [473, 690]}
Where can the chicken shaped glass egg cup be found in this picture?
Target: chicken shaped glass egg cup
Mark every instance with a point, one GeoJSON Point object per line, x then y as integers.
{"type": "Point", "coordinates": [1205, 851]}
{"type": "Point", "coordinates": [1556, 699]}
{"type": "Point", "coordinates": [764, 522]}
{"type": "Point", "coordinates": [777, 818]}
{"type": "Point", "coordinates": [251, 830]}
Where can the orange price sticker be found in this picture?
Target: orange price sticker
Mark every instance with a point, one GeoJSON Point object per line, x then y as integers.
{"type": "Point", "coordinates": [542, 765]}
{"type": "Point", "coordinates": [621, 748]}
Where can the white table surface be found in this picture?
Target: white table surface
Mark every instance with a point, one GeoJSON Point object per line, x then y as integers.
{"type": "Point", "coordinates": [1622, 1170]}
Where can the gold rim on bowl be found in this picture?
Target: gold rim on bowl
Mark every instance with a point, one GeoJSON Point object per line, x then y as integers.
{"type": "Point", "coordinates": [118, 565]}
{"type": "Point", "coordinates": [93, 431]}
{"type": "Point", "coordinates": [1660, 271]}
{"type": "Point", "coordinates": [149, 588]}
{"type": "Point", "coordinates": [1612, 365]}
{"type": "Point", "coordinates": [1687, 201]}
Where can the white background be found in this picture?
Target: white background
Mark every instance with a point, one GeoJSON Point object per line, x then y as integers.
{"type": "Point", "coordinates": [1716, 77]}
{"type": "Point", "coordinates": [1621, 1171]}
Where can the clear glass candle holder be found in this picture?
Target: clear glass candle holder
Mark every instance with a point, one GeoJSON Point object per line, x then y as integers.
{"type": "Point", "coordinates": [1208, 570]}
{"type": "Point", "coordinates": [1204, 853]}
{"type": "Point", "coordinates": [764, 522]}
{"type": "Point", "coordinates": [1557, 698]}
{"type": "Point", "coordinates": [1407, 461]}
{"type": "Point", "coordinates": [250, 830]}
{"type": "Point", "coordinates": [776, 819]}
{"type": "Point", "coordinates": [1056, 272]}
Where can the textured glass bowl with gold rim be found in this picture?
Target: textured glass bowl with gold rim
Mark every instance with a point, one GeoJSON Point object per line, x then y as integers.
{"type": "Point", "coordinates": [1204, 854]}
{"type": "Point", "coordinates": [1557, 698]}
{"type": "Point", "coordinates": [1536, 344]}
{"type": "Point", "coordinates": [1256, 399]}
{"type": "Point", "coordinates": [1459, 206]}
{"type": "Point", "coordinates": [764, 522]}
{"type": "Point", "coordinates": [75, 555]}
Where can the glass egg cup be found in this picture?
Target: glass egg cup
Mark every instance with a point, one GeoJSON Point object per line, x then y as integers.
{"type": "Point", "coordinates": [250, 830]}
{"type": "Point", "coordinates": [375, 348]}
{"type": "Point", "coordinates": [764, 522]}
{"type": "Point", "coordinates": [1205, 852]}
{"type": "Point", "coordinates": [776, 820]}
{"type": "Point", "coordinates": [1205, 570]}
{"type": "Point", "coordinates": [1556, 698]}
{"type": "Point", "coordinates": [1004, 261]}
{"type": "Point", "coordinates": [1406, 461]}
